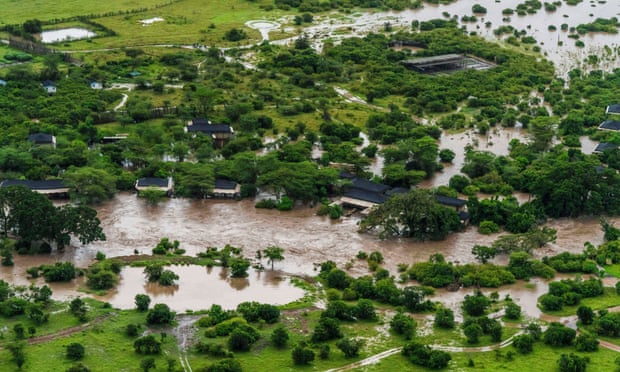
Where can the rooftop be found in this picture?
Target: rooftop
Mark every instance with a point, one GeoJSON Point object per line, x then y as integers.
{"type": "Point", "coordinates": [610, 125]}
{"type": "Point", "coordinates": [35, 185]}
{"type": "Point", "coordinates": [365, 195]}
{"type": "Point", "coordinates": [152, 182]}
{"type": "Point", "coordinates": [210, 128]}
{"type": "Point", "coordinates": [449, 201]}
{"type": "Point", "coordinates": [601, 147]}
{"type": "Point", "coordinates": [225, 184]}
{"type": "Point", "coordinates": [613, 109]}
{"type": "Point", "coordinates": [434, 60]}
{"type": "Point", "coordinates": [41, 138]}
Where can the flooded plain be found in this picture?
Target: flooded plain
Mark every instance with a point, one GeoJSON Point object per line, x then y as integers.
{"type": "Point", "coordinates": [555, 45]}
{"type": "Point", "coordinates": [132, 225]}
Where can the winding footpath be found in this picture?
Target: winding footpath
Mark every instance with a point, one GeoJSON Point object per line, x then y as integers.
{"type": "Point", "coordinates": [569, 321]}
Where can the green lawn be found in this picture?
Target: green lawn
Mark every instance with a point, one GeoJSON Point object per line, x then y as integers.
{"type": "Point", "coordinates": [107, 348]}
{"type": "Point", "coordinates": [613, 270]}
{"type": "Point", "coordinates": [544, 358]}
{"type": "Point", "coordinates": [185, 22]}
{"type": "Point", "coordinates": [15, 11]}
{"type": "Point", "coordinates": [609, 299]}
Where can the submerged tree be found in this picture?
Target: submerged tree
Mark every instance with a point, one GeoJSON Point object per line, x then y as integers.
{"type": "Point", "coordinates": [273, 253]}
{"type": "Point", "coordinates": [415, 214]}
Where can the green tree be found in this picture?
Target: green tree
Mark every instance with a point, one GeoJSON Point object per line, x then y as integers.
{"type": "Point", "coordinates": [558, 335]}
{"type": "Point", "coordinates": [75, 351]}
{"type": "Point", "coordinates": [444, 318]}
{"type": "Point", "coordinates": [586, 342]}
{"type": "Point", "coordinates": [302, 355]}
{"type": "Point", "coordinates": [273, 253]}
{"type": "Point", "coordinates": [585, 314]}
{"type": "Point", "coordinates": [142, 302]}
{"type": "Point", "coordinates": [415, 214]}
{"type": "Point", "coordinates": [147, 364]}
{"type": "Point", "coordinates": [476, 304]}
{"type": "Point", "coordinates": [483, 253]}
{"type": "Point", "coordinates": [279, 337]}
{"type": "Point", "coordinates": [90, 185]}
{"type": "Point", "coordinates": [572, 363]}
{"type": "Point", "coordinates": [523, 343]}
{"type": "Point", "coordinates": [350, 347]}
{"type": "Point", "coordinates": [160, 314]}
{"type": "Point", "coordinates": [239, 267]}
{"type": "Point", "coordinates": [147, 345]}
{"type": "Point", "coordinates": [472, 331]}
{"type": "Point", "coordinates": [403, 324]}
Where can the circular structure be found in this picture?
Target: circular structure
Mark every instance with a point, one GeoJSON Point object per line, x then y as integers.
{"type": "Point", "coordinates": [263, 27]}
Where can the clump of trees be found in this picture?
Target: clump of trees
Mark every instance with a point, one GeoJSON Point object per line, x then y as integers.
{"type": "Point", "coordinates": [569, 292]}
{"type": "Point", "coordinates": [415, 214]}
{"type": "Point", "coordinates": [33, 218]}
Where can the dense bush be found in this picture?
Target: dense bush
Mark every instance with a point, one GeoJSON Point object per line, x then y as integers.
{"type": "Point", "coordinates": [424, 356]}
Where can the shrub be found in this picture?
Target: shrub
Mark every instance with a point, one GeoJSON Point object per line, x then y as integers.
{"type": "Point", "coordinates": [586, 342]}
{"type": "Point", "coordinates": [558, 335]}
{"type": "Point", "coordinates": [444, 318]}
{"type": "Point", "coordinates": [147, 345]}
{"type": "Point", "coordinates": [327, 329]}
{"type": "Point", "coordinates": [403, 325]}
{"type": "Point", "coordinates": [350, 347]}
{"type": "Point", "coordinates": [131, 330]}
{"type": "Point", "coordinates": [524, 343]}
{"type": "Point", "coordinates": [75, 351]}
{"type": "Point", "coordinates": [279, 337]}
{"type": "Point", "coordinates": [488, 227]}
{"type": "Point", "coordinates": [142, 302]}
{"type": "Point", "coordinates": [423, 355]}
{"type": "Point", "coordinates": [160, 314]}
{"type": "Point", "coordinates": [302, 355]}
{"type": "Point", "coordinates": [242, 338]}
{"type": "Point", "coordinates": [512, 311]}
{"type": "Point", "coordinates": [226, 365]}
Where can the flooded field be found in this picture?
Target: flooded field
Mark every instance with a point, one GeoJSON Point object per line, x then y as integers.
{"type": "Point", "coordinates": [555, 45]}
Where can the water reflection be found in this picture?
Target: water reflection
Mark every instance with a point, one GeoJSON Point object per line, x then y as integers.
{"type": "Point", "coordinates": [199, 287]}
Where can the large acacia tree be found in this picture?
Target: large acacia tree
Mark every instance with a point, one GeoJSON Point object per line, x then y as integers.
{"type": "Point", "coordinates": [415, 214]}
{"type": "Point", "coordinates": [32, 217]}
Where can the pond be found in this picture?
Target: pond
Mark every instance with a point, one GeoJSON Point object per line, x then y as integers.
{"type": "Point", "coordinates": [66, 34]}
{"type": "Point", "coordinates": [200, 287]}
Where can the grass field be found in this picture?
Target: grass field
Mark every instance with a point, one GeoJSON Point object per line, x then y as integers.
{"type": "Point", "coordinates": [185, 22]}
{"type": "Point", "coordinates": [609, 299]}
{"type": "Point", "coordinates": [544, 358]}
{"type": "Point", "coordinates": [16, 11]}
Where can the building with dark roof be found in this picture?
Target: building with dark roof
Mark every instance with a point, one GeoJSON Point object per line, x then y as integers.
{"type": "Point", "coordinates": [451, 202]}
{"type": "Point", "coordinates": [42, 187]}
{"type": "Point", "coordinates": [220, 133]}
{"type": "Point", "coordinates": [603, 146]}
{"type": "Point", "coordinates": [613, 109]}
{"type": "Point", "coordinates": [164, 184]}
{"type": "Point", "coordinates": [225, 189]}
{"type": "Point", "coordinates": [42, 139]}
{"type": "Point", "coordinates": [49, 86]}
{"type": "Point", "coordinates": [610, 125]}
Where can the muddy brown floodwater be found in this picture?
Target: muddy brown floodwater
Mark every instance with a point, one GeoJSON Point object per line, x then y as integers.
{"type": "Point", "coordinates": [130, 224]}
